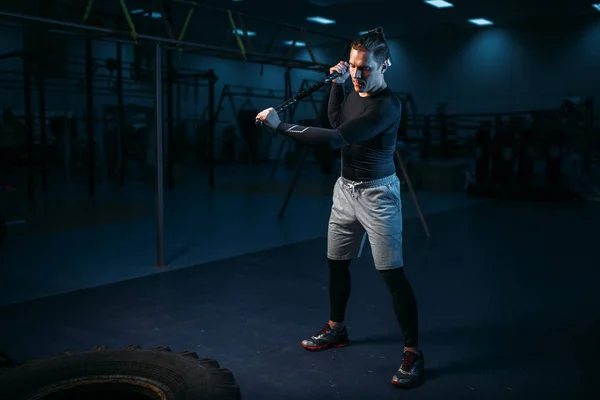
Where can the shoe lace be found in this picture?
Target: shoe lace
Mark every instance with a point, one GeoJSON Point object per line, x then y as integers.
{"type": "Point", "coordinates": [325, 329]}
{"type": "Point", "coordinates": [408, 360]}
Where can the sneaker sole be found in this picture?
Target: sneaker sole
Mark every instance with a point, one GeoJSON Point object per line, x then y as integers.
{"type": "Point", "coordinates": [325, 346]}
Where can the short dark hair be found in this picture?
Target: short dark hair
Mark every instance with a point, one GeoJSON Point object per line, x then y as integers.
{"type": "Point", "coordinates": [374, 40]}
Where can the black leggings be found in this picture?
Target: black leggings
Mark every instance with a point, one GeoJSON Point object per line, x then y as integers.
{"type": "Point", "coordinates": [403, 298]}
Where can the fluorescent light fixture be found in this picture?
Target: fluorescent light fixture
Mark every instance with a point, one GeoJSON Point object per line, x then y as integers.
{"type": "Point", "coordinates": [298, 44]}
{"type": "Point", "coordinates": [481, 22]}
{"type": "Point", "coordinates": [242, 33]}
{"type": "Point", "coordinates": [596, 6]}
{"type": "Point", "coordinates": [320, 20]}
{"type": "Point", "coordinates": [439, 3]}
{"type": "Point", "coordinates": [363, 32]}
{"type": "Point", "coordinates": [155, 15]}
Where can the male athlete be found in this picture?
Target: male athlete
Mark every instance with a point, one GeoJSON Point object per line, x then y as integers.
{"type": "Point", "coordinates": [366, 197]}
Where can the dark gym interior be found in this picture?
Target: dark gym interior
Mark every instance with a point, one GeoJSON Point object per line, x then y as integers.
{"type": "Point", "coordinates": [140, 205]}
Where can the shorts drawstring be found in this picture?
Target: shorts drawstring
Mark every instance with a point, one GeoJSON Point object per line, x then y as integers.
{"type": "Point", "coordinates": [352, 187]}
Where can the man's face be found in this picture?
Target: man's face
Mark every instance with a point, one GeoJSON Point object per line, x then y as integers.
{"type": "Point", "coordinates": [365, 72]}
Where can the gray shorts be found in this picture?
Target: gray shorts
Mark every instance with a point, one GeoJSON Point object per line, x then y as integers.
{"type": "Point", "coordinates": [370, 209]}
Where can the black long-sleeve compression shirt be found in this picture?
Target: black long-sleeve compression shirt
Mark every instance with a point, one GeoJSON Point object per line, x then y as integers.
{"type": "Point", "coordinates": [365, 128]}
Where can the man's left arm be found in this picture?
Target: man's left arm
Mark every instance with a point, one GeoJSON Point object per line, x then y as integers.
{"type": "Point", "coordinates": [369, 124]}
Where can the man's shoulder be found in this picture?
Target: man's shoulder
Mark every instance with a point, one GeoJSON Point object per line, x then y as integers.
{"type": "Point", "coordinates": [391, 95]}
{"type": "Point", "coordinates": [390, 101]}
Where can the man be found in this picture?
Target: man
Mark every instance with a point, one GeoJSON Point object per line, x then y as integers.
{"type": "Point", "coordinates": [366, 197]}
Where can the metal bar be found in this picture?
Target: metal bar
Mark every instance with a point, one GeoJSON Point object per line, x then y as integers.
{"type": "Point", "coordinates": [282, 144]}
{"type": "Point", "coordinates": [235, 118]}
{"type": "Point", "coordinates": [42, 116]}
{"type": "Point", "coordinates": [67, 137]}
{"type": "Point", "coordinates": [262, 19]}
{"type": "Point", "coordinates": [253, 88]}
{"type": "Point", "coordinates": [271, 43]}
{"type": "Point", "coordinates": [28, 128]}
{"type": "Point", "coordinates": [75, 76]}
{"type": "Point", "coordinates": [412, 192]}
{"type": "Point", "coordinates": [224, 53]}
{"type": "Point", "coordinates": [169, 153]}
{"type": "Point", "coordinates": [101, 89]}
{"type": "Point", "coordinates": [89, 99]}
{"type": "Point", "coordinates": [299, 168]}
{"type": "Point", "coordinates": [224, 95]}
{"type": "Point", "coordinates": [588, 137]}
{"type": "Point", "coordinates": [221, 52]}
{"type": "Point", "coordinates": [178, 101]}
{"type": "Point", "coordinates": [287, 90]}
{"type": "Point", "coordinates": [203, 75]}
{"type": "Point", "coordinates": [61, 90]}
{"type": "Point", "coordinates": [166, 12]}
{"type": "Point", "coordinates": [246, 36]}
{"type": "Point", "coordinates": [291, 49]}
{"type": "Point", "coordinates": [496, 114]}
{"type": "Point", "coordinates": [256, 96]}
{"type": "Point", "coordinates": [171, 77]}
{"type": "Point", "coordinates": [211, 134]}
{"type": "Point", "coordinates": [121, 107]}
{"type": "Point", "coordinates": [309, 48]}
{"type": "Point", "coordinates": [160, 191]}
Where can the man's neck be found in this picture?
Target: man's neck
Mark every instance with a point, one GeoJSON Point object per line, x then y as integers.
{"type": "Point", "coordinates": [377, 89]}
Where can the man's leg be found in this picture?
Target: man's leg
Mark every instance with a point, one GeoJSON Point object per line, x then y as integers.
{"type": "Point", "coordinates": [380, 212]}
{"type": "Point", "coordinates": [340, 286]}
{"type": "Point", "coordinates": [334, 333]}
{"type": "Point", "coordinates": [404, 303]}
{"type": "Point", "coordinates": [345, 239]}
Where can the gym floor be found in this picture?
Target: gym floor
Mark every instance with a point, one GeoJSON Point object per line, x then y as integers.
{"type": "Point", "coordinates": [507, 291]}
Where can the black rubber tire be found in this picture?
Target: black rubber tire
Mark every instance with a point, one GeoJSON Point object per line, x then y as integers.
{"type": "Point", "coordinates": [177, 376]}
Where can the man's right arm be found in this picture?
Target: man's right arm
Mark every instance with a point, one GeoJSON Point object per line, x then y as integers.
{"type": "Point", "coordinates": [334, 108]}
{"type": "Point", "coordinates": [370, 123]}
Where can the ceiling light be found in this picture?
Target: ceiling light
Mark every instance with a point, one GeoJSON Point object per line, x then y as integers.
{"type": "Point", "coordinates": [321, 20]}
{"type": "Point", "coordinates": [596, 6]}
{"type": "Point", "coordinates": [242, 33]}
{"type": "Point", "coordinates": [481, 22]}
{"type": "Point", "coordinates": [154, 15]}
{"type": "Point", "coordinates": [439, 3]}
{"type": "Point", "coordinates": [363, 32]}
{"type": "Point", "coordinates": [298, 44]}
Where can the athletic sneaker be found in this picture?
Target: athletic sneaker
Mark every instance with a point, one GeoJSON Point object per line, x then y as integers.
{"type": "Point", "coordinates": [327, 338]}
{"type": "Point", "coordinates": [411, 372]}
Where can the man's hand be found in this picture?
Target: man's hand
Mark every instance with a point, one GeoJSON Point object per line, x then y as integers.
{"type": "Point", "coordinates": [269, 117]}
{"type": "Point", "coordinates": [342, 68]}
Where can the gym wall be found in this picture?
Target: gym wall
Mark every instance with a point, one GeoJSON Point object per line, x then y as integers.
{"type": "Point", "coordinates": [498, 69]}
{"type": "Point", "coordinates": [65, 92]}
